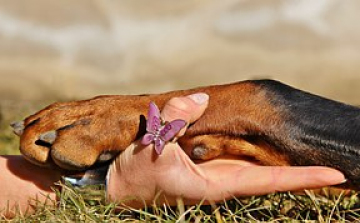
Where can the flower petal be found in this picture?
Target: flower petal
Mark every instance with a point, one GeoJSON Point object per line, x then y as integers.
{"type": "Point", "coordinates": [159, 145]}
{"type": "Point", "coordinates": [153, 122]}
{"type": "Point", "coordinates": [171, 129]}
{"type": "Point", "coordinates": [147, 139]}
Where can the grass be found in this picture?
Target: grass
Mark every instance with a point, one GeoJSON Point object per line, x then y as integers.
{"type": "Point", "coordinates": [88, 204]}
{"type": "Point", "coordinates": [8, 142]}
{"type": "Point", "coordinates": [14, 111]}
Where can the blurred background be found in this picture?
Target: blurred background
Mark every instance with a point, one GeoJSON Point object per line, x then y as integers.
{"type": "Point", "coordinates": [64, 50]}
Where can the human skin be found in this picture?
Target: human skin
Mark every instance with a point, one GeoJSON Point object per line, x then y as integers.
{"type": "Point", "coordinates": [173, 174]}
{"type": "Point", "coordinates": [138, 172]}
{"type": "Point", "coordinates": [22, 182]}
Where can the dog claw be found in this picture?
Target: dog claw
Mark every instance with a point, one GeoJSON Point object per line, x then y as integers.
{"type": "Point", "coordinates": [18, 127]}
{"type": "Point", "coordinates": [92, 176]}
{"type": "Point", "coordinates": [198, 152]}
{"type": "Point", "coordinates": [48, 137]}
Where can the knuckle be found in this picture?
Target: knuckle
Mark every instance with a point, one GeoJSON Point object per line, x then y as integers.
{"type": "Point", "coordinates": [179, 102]}
{"type": "Point", "coordinates": [177, 107]}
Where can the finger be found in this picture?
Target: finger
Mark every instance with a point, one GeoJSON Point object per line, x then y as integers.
{"type": "Point", "coordinates": [188, 108]}
{"type": "Point", "coordinates": [231, 180]}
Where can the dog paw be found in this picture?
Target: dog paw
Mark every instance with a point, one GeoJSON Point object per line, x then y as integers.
{"type": "Point", "coordinates": [76, 135]}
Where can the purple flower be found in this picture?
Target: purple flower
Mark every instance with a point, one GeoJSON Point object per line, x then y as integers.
{"type": "Point", "coordinates": [159, 132]}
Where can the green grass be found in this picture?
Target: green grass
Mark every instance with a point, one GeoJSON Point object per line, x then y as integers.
{"type": "Point", "coordinates": [9, 143]}
{"type": "Point", "coordinates": [88, 204]}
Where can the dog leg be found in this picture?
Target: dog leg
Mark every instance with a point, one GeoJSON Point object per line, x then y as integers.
{"type": "Point", "coordinates": [205, 147]}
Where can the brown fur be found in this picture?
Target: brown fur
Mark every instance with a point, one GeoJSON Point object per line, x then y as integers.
{"type": "Point", "coordinates": [106, 123]}
{"type": "Point", "coordinates": [265, 121]}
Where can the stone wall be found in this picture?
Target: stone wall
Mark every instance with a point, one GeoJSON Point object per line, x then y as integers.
{"type": "Point", "coordinates": [76, 49]}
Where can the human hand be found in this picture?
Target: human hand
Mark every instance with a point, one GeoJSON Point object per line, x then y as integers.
{"type": "Point", "coordinates": [138, 176]}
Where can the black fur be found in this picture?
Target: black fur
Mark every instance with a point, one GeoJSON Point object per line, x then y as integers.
{"type": "Point", "coordinates": [318, 131]}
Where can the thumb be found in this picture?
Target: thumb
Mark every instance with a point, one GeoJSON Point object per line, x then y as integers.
{"type": "Point", "coordinates": [188, 108]}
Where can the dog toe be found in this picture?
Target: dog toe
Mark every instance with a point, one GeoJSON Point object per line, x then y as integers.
{"type": "Point", "coordinates": [33, 151]}
{"type": "Point", "coordinates": [75, 148]}
{"type": "Point", "coordinates": [73, 159]}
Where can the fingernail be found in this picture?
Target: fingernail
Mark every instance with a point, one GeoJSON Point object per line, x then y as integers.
{"type": "Point", "coordinates": [337, 178]}
{"type": "Point", "coordinates": [344, 181]}
{"type": "Point", "coordinates": [199, 98]}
